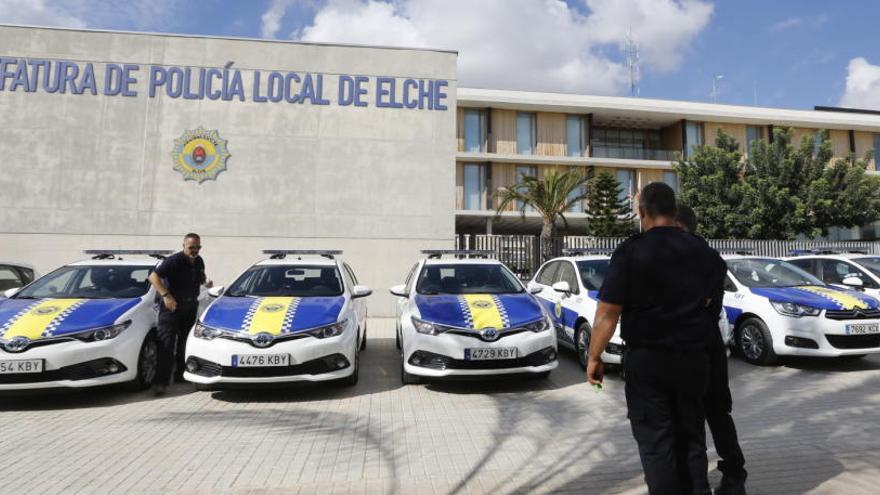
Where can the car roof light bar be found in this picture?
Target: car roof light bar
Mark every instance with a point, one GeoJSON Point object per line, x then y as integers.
{"type": "Point", "coordinates": [826, 250]}
{"type": "Point", "coordinates": [743, 250]}
{"type": "Point", "coordinates": [280, 254]}
{"type": "Point", "coordinates": [577, 251]}
{"type": "Point", "coordinates": [475, 253]}
{"type": "Point", "coordinates": [105, 254]}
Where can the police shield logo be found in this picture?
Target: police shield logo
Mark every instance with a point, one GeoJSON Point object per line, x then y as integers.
{"type": "Point", "coordinates": [200, 154]}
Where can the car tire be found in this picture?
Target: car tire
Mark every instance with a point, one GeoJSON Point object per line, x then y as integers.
{"type": "Point", "coordinates": [147, 364]}
{"type": "Point", "coordinates": [582, 343]}
{"type": "Point", "coordinates": [754, 342]}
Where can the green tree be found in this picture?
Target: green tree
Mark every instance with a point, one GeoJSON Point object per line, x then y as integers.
{"type": "Point", "coordinates": [608, 215]}
{"type": "Point", "coordinates": [845, 196]}
{"type": "Point", "coordinates": [551, 197]}
{"type": "Point", "coordinates": [711, 183]}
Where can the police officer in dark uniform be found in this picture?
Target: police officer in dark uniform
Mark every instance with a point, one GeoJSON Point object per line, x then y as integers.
{"type": "Point", "coordinates": [177, 280]}
{"type": "Point", "coordinates": [660, 284]}
{"type": "Point", "coordinates": [719, 402]}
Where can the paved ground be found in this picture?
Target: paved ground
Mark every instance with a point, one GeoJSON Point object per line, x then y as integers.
{"type": "Point", "coordinates": [807, 426]}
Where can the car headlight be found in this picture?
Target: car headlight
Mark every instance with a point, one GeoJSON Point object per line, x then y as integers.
{"type": "Point", "coordinates": [794, 310]}
{"type": "Point", "coordinates": [103, 333]}
{"type": "Point", "coordinates": [205, 332]}
{"type": "Point", "coordinates": [541, 325]}
{"type": "Point", "coordinates": [428, 328]}
{"type": "Point", "coordinates": [328, 331]}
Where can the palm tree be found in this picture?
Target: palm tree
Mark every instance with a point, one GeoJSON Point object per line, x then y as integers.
{"type": "Point", "coordinates": [551, 196]}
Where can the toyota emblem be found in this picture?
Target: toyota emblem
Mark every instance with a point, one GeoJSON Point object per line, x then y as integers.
{"type": "Point", "coordinates": [263, 339]}
{"type": "Point", "coordinates": [489, 334]}
{"type": "Point", "coordinates": [17, 344]}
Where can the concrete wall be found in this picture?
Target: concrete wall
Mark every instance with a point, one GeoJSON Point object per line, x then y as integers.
{"type": "Point", "coordinates": [85, 171]}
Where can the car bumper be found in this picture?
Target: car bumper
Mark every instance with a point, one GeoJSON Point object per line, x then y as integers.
{"type": "Point", "coordinates": [822, 337]}
{"type": "Point", "coordinates": [444, 354]}
{"type": "Point", "coordinates": [311, 360]}
{"type": "Point", "coordinates": [75, 364]}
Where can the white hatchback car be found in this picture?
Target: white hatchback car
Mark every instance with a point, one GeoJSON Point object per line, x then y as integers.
{"type": "Point", "coordinates": [470, 316]}
{"type": "Point", "coordinates": [568, 286]}
{"type": "Point", "coordinates": [85, 324]}
{"type": "Point", "coordinates": [297, 316]}
{"type": "Point", "coordinates": [778, 309]}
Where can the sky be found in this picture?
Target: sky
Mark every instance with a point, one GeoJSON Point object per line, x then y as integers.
{"type": "Point", "coordinates": [780, 53]}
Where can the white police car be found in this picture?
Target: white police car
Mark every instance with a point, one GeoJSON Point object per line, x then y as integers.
{"type": "Point", "coordinates": [297, 316]}
{"type": "Point", "coordinates": [842, 268]}
{"type": "Point", "coordinates": [470, 316]}
{"type": "Point", "coordinates": [568, 286]}
{"type": "Point", "coordinates": [778, 309]}
{"type": "Point", "coordinates": [85, 324]}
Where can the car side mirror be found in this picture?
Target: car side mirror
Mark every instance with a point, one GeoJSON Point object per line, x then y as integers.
{"type": "Point", "coordinates": [360, 291]}
{"type": "Point", "coordinates": [853, 281]}
{"type": "Point", "coordinates": [11, 292]}
{"type": "Point", "coordinates": [216, 291]}
{"type": "Point", "coordinates": [535, 289]}
{"type": "Point", "coordinates": [562, 287]}
{"type": "Point", "coordinates": [399, 291]}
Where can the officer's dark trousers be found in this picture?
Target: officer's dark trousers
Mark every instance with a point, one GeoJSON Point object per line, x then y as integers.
{"type": "Point", "coordinates": [174, 326]}
{"type": "Point", "coordinates": [719, 404]}
{"type": "Point", "coordinates": [665, 393]}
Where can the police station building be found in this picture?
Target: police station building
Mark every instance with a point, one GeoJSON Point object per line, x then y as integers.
{"type": "Point", "coordinates": [130, 140]}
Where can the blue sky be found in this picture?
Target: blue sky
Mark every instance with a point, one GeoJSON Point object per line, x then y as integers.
{"type": "Point", "coordinates": [796, 54]}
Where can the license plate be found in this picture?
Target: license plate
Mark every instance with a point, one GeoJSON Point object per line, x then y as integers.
{"type": "Point", "coordinates": [251, 360]}
{"type": "Point", "coordinates": [21, 366]}
{"type": "Point", "coordinates": [488, 353]}
{"type": "Point", "coordinates": [862, 328]}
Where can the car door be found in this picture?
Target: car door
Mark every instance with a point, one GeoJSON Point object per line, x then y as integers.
{"type": "Point", "coordinates": [734, 300]}
{"type": "Point", "coordinates": [834, 271]}
{"type": "Point", "coordinates": [360, 304]}
{"type": "Point", "coordinates": [409, 282]}
{"type": "Point", "coordinates": [567, 305]}
{"type": "Point", "coordinates": [544, 279]}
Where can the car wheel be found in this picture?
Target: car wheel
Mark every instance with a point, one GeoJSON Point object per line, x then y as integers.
{"type": "Point", "coordinates": [148, 363]}
{"type": "Point", "coordinates": [582, 343]}
{"type": "Point", "coordinates": [755, 343]}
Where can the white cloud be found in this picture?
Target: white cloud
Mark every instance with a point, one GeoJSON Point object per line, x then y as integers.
{"type": "Point", "coordinates": [785, 24]}
{"type": "Point", "coordinates": [541, 45]}
{"type": "Point", "coordinates": [862, 85]}
{"type": "Point", "coordinates": [36, 12]}
{"type": "Point", "coordinates": [154, 15]}
{"type": "Point", "coordinates": [270, 22]}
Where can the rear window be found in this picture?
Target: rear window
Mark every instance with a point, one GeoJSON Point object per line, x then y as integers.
{"type": "Point", "coordinates": [288, 281]}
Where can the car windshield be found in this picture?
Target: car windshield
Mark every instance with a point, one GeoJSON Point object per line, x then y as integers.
{"type": "Point", "coordinates": [90, 282]}
{"type": "Point", "coordinates": [593, 273]}
{"type": "Point", "coordinates": [467, 279]}
{"type": "Point", "coordinates": [760, 272]}
{"type": "Point", "coordinates": [871, 263]}
{"type": "Point", "coordinates": [288, 281]}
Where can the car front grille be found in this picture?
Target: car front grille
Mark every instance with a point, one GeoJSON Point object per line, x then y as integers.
{"type": "Point", "coordinates": [852, 314]}
{"type": "Point", "coordinates": [854, 341]}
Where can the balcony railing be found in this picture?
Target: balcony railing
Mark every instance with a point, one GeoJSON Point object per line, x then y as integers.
{"type": "Point", "coordinates": [602, 151]}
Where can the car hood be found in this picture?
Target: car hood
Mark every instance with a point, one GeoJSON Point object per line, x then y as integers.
{"type": "Point", "coordinates": [43, 318]}
{"type": "Point", "coordinates": [479, 310]}
{"type": "Point", "coordinates": [816, 296]}
{"type": "Point", "coordinates": [274, 315]}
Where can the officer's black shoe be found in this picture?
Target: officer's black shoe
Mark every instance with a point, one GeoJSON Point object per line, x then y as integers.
{"type": "Point", "coordinates": [730, 489]}
{"type": "Point", "coordinates": [160, 390]}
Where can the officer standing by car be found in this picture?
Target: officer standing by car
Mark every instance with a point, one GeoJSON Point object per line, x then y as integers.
{"type": "Point", "coordinates": [659, 284]}
{"type": "Point", "coordinates": [177, 280]}
{"type": "Point", "coordinates": [719, 402]}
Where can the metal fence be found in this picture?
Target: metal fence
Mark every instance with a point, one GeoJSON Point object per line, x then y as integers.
{"type": "Point", "coordinates": [524, 253]}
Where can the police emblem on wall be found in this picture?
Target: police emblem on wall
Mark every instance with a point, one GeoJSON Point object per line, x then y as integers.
{"type": "Point", "coordinates": [200, 154]}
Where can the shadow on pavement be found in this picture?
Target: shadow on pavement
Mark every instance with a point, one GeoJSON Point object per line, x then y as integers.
{"type": "Point", "coordinates": [103, 396]}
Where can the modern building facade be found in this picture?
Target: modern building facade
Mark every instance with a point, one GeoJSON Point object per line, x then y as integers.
{"type": "Point", "coordinates": [502, 135]}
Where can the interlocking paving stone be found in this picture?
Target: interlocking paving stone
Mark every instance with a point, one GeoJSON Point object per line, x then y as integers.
{"type": "Point", "coordinates": [806, 426]}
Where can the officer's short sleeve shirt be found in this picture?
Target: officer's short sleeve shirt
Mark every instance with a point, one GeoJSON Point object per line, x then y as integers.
{"type": "Point", "coordinates": [183, 277]}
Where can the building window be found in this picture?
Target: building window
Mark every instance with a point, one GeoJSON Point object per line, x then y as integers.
{"type": "Point", "coordinates": [474, 187]}
{"type": "Point", "coordinates": [693, 137]}
{"type": "Point", "coordinates": [753, 133]}
{"type": "Point", "coordinates": [817, 143]}
{"type": "Point", "coordinates": [474, 131]}
{"type": "Point", "coordinates": [575, 135]}
{"type": "Point", "coordinates": [636, 144]}
{"type": "Point", "coordinates": [577, 206]}
{"type": "Point", "coordinates": [876, 151]}
{"type": "Point", "coordinates": [521, 172]}
{"type": "Point", "coordinates": [627, 180]}
{"type": "Point", "coordinates": [526, 134]}
{"type": "Point", "coordinates": [671, 180]}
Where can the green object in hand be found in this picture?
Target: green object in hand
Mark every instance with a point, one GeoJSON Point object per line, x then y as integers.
{"type": "Point", "coordinates": [597, 387]}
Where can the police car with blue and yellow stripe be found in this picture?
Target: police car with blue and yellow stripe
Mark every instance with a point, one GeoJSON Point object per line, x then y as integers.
{"type": "Point", "coordinates": [778, 309]}
{"type": "Point", "coordinates": [469, 315]}
{"type": "Point", "coordinates": [85, 324]}
{"type": "Point", "coordinates": [297, 316]}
